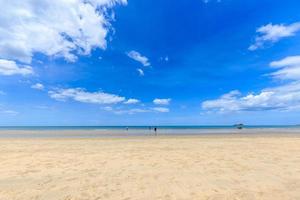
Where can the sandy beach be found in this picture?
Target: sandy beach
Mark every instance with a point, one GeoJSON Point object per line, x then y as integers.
{"type": "Point", "coordinates": [163, 167]}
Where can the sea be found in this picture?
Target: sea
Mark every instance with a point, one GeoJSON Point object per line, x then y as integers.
{"type": "Point", "coordinates": [125, 131]}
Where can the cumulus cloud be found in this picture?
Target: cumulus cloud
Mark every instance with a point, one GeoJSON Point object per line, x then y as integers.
{"type": "Point", "coordinates": [234, 101]}
{"type": "Point", "coordinates": [161, 109]}
{"type": "Point", "coordinates": [283, 97]}
{"type": "Point", "coordinates": [53, 27]}
{"type": "Point", "coordinates": [162, 101]}
{"type": "Point", "coordinates": [132, 101]}
{"type": "Point", "coordinates": [80, 95]}
{"type": "Point", "coordinates": [9, 67]}
{"type": "Point", "coordinates": [272, 33]}
{"type": "Point", "coordinates": [139, 58]}
{"type": "Point", "coordinates": [38, 86]}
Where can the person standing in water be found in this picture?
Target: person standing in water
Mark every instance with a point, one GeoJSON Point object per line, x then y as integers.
{"type": "Point", "coordinates": [155, 130]}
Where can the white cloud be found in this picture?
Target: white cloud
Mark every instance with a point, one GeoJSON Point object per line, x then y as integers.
{"type": "Point", "coordinates": [130, 111]}
{"type": "Point", "coordinates": [166, 58]}
{"type": "Point", "coordinates": [139, 58]}
{"type": "Point", "coordinates": [79, 94]}
{"type": "Point", "coordinates": [161, 109]}
{"type": "Point", "coordinates": [162, 101]}
{"type": "Point", "coordinates": [139, 110]}
{"type": "Point", "coordinates": [288, 68]}
{"type": "Point", "coordinates": [120, 111]}
{"type": "Point", "coordinates": [207, 1]}
{"type": "Point", "coordinates": [9, 67]}
{"type": "Point", "coordinates": [132, 101]}
{"type": "Point", "coordinates": [9, 112]}
{"type": "Point", "coordinates": [43, 107]}
{"type": "Point", "coordinates": [141, 72]}
{"type": "Point", "coordinates": [57, 28]}
{"type": "Point", "coordinates": [107, 108]}
{"type": "Point", "coordinates": [272, 33]}
{"type": "Point", "coordinates": [284, 97]}
{"type": "Point", "coordinates": [234, 101]}
{"type": "Point", "coordinates": [38, 86]}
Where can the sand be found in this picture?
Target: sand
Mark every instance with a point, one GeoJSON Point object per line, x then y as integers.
{"type": "Point", "coordinates": [194, 167]}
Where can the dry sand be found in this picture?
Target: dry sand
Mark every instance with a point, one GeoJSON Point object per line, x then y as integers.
{"type": "Point", "coordinates": [194, 167]}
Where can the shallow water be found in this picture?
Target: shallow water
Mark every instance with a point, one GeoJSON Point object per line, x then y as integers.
{"type": "Point", "coordinates": [121, 131]}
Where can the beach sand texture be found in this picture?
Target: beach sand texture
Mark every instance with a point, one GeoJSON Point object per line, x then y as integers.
{"type": "Point", "coordinates": [173, 167]}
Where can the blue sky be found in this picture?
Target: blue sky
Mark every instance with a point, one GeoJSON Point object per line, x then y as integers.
{"type": "Point", "coordinates": [118, 62]}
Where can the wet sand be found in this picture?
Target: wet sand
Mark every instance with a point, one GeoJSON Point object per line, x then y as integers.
{"type": "Point", "coordinates": [164, 167]}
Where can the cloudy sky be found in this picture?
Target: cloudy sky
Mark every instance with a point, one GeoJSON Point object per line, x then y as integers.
{"type": "Point", "coordinates": [118, 62]}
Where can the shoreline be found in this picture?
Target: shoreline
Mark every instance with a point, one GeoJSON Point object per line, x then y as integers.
{"type": "Point", "coordinates": [19, 134]}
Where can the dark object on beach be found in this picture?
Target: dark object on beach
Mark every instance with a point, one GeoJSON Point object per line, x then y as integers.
{"type": "Point", "coordinates": [127, 128]}
{"type": "Point", "coordinates": [155, 130]}
{"type": "Point", "coordinates": [239, 126]}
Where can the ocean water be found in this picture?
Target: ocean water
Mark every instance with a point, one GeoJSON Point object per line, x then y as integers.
{"type": "Point", "coordinates": [145, 127]}
{"type": "Point", "coordinates": [124, 131]}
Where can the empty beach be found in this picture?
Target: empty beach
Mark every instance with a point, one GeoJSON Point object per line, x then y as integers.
{"type": "Point", "coordinates": [233, 166]}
